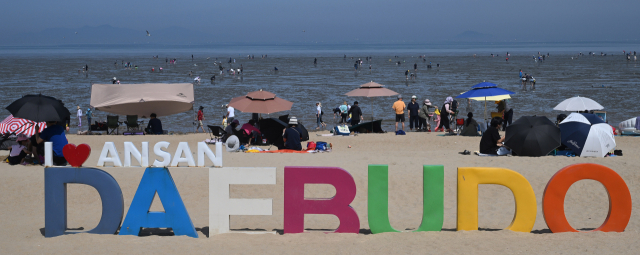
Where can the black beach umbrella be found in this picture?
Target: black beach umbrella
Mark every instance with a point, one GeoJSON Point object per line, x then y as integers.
{"type": "Point", "coordinates": [532, 136]}
{"type": "Point", "coordinates": [39, 108]}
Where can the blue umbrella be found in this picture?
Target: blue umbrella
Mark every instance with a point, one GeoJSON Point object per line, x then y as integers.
{"type": "Point", "coordinates": [485, 89]}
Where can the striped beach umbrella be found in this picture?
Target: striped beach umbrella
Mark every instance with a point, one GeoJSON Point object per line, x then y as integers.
{"type": "Point", "coordinates": [587, 135]}
{"type": "Point", "coordinates": [20, 126]}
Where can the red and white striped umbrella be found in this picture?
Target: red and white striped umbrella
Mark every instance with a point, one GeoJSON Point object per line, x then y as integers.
{"type": "Point", "coordinates": [20, 126]}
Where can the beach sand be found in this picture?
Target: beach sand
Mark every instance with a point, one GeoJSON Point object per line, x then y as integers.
{"type": "Point", "coordinates": [22, 202]}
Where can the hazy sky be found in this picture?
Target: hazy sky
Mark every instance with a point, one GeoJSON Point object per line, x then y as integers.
{"type": "Point", "coordinates": [339, 21]}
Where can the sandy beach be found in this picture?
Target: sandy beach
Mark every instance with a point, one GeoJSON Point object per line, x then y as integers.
{"type": "Point", "coordinates": [22, 200]}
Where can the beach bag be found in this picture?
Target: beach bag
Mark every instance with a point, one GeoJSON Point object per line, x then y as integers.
{"type": "Point", "coordinates": [311, 146]}
{"type": "Point", "coordinates": [321, 146]}
{"type": "Point", "coordinates": [400, 132]}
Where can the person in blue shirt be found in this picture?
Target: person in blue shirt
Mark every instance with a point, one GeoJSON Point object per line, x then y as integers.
{"type": "Point", "coordinates": [89, 115]}
{"type": "Point", "coordinates": [292, 135]}
{"type": "Point", "coordinates": [54, 134]}
{"type": "Point", "coordinates": [155, 125]}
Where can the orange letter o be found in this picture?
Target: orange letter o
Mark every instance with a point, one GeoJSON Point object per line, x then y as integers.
{"type": "Point", "coordinates": [556, 190]}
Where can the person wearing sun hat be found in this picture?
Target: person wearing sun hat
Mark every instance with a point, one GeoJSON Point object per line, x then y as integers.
{"type": "Point", "coordinates": [424, 116]}
{"type": "Point", "coordinates": [413, 108]}
{"type": "Point", "coordinates": [19, 151]}
{"type": "Point", "coordinates": [292, 135]}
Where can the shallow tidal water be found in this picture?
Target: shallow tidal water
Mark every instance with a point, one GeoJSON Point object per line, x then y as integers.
{"type": "Point", "coordinates": [560, 76]}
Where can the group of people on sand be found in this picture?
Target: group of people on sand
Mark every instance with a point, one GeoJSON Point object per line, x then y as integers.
{"type": "Point", "coordinates": [420, 116]}
{"type": "Point", "coordinates": [31, 149]}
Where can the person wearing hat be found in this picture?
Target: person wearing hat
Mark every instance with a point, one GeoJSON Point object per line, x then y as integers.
{"type": "Point", "coordinates": [399, 107]}
{"type": "Point", "coordinates": [230, 130]}
{"type": "Point", "coordinates": [356, 114]}
{"type": "Point", "coordinates": [19, 151]}
{"type": "Point", "coordinates": [200, 118]}
{"type": "Point", "coordinates": [292, 135]}
{"type": "Point", "coordinates": [413, 109]}
{"type": "Point", "coordinates": [424, 117]}
{"type": "Point", "coordinates": [79, 115]}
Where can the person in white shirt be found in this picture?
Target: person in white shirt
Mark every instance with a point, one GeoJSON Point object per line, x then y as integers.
{"type": "Point", "coordinates": [79, 117]}
{"type": "Point", "coordinates": [230, 114]}
{"type": "Point", "coordinates": [319, 116]}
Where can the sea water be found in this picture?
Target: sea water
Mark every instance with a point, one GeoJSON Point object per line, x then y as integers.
{"type": "Point", "coordinates": [56, 71]}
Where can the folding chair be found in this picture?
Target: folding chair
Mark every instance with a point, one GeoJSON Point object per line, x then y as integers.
{"type": "Point", "coordinates": [216, 132]}
{"type": "Point", "coordinates": [459, 123]}
{"type": "Point", "coordinates": [112, 124]}
{"type": "Point", "coordinates": [132, 122]}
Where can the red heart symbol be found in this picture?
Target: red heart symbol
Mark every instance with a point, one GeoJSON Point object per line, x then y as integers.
{"type": "Point", "coordinates": [76, 156]}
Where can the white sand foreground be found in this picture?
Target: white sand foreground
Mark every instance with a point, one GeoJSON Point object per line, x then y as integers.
{"type": "Point", "coordinates": [22, 202]}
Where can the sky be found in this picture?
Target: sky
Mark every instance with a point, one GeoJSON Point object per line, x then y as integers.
{"type": "Point", "coordinates": [338, 21]}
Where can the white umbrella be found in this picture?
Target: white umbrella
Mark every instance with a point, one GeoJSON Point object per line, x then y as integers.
{"type": "Point", "coordinates": [587, 135]}
{"type": "Point", "coordinates": [578, 104]}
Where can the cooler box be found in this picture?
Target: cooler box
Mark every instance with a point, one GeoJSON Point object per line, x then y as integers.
{"type": "Point", "coordinates": [341, 130]}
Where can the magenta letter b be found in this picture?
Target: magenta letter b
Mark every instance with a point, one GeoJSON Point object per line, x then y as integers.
{"type": "Point", "coordinates": [295, 206]}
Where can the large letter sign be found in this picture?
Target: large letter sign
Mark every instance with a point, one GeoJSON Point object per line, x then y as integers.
{"type": "Point", "coordinates": [619, 197]}
{"type": "Point", "coordinates": [55, 199]}
{"type": "Point", "coordinates": [295, 206]}
{"type": "Point", "coordinates": [432, 195]}
{"type": "Point", "coordinates": [468, 180]}
{"type": "Point", "coordinates": [221, 206]}
{"type": "Point", "coordinates": [175, 215]}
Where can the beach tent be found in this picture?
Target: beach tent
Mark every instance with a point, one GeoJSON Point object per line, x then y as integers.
{"type": "Point", "coordinates": [587, 135]}
{"type": "Point", "coordinates": [578, 103]}
{"type": "Point", "coordinates": [630, 126]}
{"type": "Point", "coordinates": [487, 91]}
{"type": "Point", "coordinates": [143, 99]}
{"type": "Point", "coordinates": [371, 89]}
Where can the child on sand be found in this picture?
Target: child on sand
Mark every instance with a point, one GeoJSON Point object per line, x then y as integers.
{"type": "Point", "coordinates": [19, 151]}
{"type": "Point", "coordinates": [436, 115]}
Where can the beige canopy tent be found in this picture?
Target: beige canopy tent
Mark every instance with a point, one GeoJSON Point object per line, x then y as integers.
{"type": "Point", "coordinates": [143, 99]}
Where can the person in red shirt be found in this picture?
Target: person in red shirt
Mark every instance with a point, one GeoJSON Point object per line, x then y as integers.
{"type": "Point", "coordinates": [200, 119]}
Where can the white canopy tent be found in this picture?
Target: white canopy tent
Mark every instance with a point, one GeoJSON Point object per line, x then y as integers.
{"type": "Point", "coordinates": [143, 99]}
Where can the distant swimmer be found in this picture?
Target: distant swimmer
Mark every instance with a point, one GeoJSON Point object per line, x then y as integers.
{"type": "Point", "coordinates": [148, 33]}
{"type": "Point", "coordinates": [275, 68]}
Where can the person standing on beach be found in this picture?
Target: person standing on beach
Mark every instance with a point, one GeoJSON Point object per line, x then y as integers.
{"type": "Point", "coordinates": [344, 112]}
{"type": "Point", "coordinates": [413, 109]}
{"type": "Point", "coordinates": [356, 114]}
{"type": "Point", "coordinates": [89, 115]}
{"type": "Point", "coordinates": [319, 113]}
{"type": "Point", "coordinates": [406, 74]}
{"type": "Point", "coordinates": [399, 107]}
{"type": "Point", "coordinates": [444, 114]}
{"type": "Point", "coordinates": [315, 61]}
{"type": "Point", "coordinates": [231, 113]}
{"type": "Point", "coordinates": [79, 117]}
{"type": "Point", "coordinates": [415, 67]}
{"type": "Point", "coordinates": [507, 112]}
{"type": "Point", "coordinates": [200, 118]}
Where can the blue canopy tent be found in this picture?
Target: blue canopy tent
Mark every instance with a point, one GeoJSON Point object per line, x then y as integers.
{"type": "Point", "coordinates": [485, 89]}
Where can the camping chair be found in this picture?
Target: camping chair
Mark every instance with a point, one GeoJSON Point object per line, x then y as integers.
{"type": "Point", "coordinates": [132, 122]}
{"type": "Point", "coordinates": [216, 132]}
{"type": "Point", "coordinates": [112, 124]}
{"type": "Point", "coordinates": [459, 123]}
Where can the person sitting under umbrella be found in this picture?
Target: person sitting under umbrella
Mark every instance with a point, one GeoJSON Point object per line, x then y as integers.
{"type": "Point", "coordinates": [54, 134]}
{"type": "Point", "coordinates": [470, 127]}
{"type": "Point", "coordinates": [230, 130]}
{"type": "Point", "coordinates": [491, 140]}
{"type": "Point", "coordinates": [155, 125]}
{"type": "Point", "coordinates": [249, 130]}
{"type": "Point", "coordinates": [19, 151]}
{"type": "Point", "coordinates": [292, 136]}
